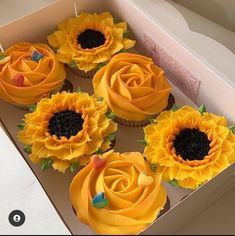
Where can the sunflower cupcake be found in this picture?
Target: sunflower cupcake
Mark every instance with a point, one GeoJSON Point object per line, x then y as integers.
{"type": "Point", "coordinates": [88, 41]}
{"type": "Point", "coordinates": [65, 130]}
{"type": "Point", "coordinates": [29, 72]}
{"type": "Point", "coordinates": [117, 193]}
{"type": "Point", "coordinates": [134, 88]}
{"type": "Point", "coordinates": [189, 146]}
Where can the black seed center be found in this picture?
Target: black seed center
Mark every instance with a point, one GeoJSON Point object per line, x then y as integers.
{"type": "Point", "coordinates": [65, 123]}
{"type": "Point", "coordinates": [192, 144]}
{"type": "Point", "coordinates": [91, 38]}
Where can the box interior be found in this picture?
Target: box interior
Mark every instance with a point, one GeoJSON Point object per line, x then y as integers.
{"type": "Point", "coordinates": [140, 22]}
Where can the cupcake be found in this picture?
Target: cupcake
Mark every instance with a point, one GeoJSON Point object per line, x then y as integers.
{"type": "Point", "coordinates": [29, 72]}
{"type": "Point", "coordinates": [189, 146]}
{"type": "Point", "coordinates": [88, 41]}
{"type": "Point", "coordinates": [65, 130]}
{"type": "Point", "coordinates": [134, 88]}
{"type": "Point", "coordinates": [117, 193]}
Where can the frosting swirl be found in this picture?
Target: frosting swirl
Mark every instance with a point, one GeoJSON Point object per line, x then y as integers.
{"type": "Point", "coordinates": [131, 207]}
{"type": "Point", "coordinates": [133, 86]}
{"type": "Point", "coordinates": [25, 81]}
{"type": "Point", "coordinates": [102, 38]}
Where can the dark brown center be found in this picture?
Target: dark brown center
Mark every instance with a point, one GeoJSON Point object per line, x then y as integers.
{"type": "Point", "coordinates": [90, 39]}
{"type": "Point", "coordinates": [192, 144]}
{"type": "Point", "coordinates": [65, 124]}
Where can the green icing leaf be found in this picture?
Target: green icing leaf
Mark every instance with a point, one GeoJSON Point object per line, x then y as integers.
{"type": "Point", "coordinates": [123, 50]}
{"type": "Point", "coordinates": [110, 115]}
{"type": "Point", "coordinates": [78, 90]}
{"type": "Point", "coordinates": [28, 149]}
{"type": "Point", "coordinates": [115, 20]}
{"type": "Point", "coordinates": [74, 166]}
{"type": "Point", "coordinates": [99, 151]}
{"type": "Point", "coordinates": [151, 119]}
{"type": "Point", "coordinates": [100, 65]}
{"type": "Point", "coordinates": [21, 125]}
{"type": "Point", "coordinates": [2, 56]}
{"type": "Point", "coordinates": [175, 107]}
{"type": "Point", "coordinates": [111, 137]}
{"type": "Point", "coordinates": [202, 109]}
{"type": "Point", "coordinates": [125, 34]}
{"type": "Point", "coordinates": [55, 50]}
{"type": "Point", "coordinates": [142, 141]}
{"type": "Point", "coordinates": [200, 184]}
{"type": "Point", "coordinates": [46, 164]}
{"type": "Point", "coordinates": [33, 107]}
{"type": "Point", "coordinates": [153, 167]}
{"type": "Point", "coordinates": [73, 64]}
{"type": "Point", "coordinates": [232, 128]}
{"type": "Point", "coordinates": [100, 99]}
{"type": "Point", "coordinates": [174, 182]}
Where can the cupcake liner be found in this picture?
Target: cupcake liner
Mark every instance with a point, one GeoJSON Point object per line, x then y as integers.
{"type": "Point", "coordinates": [82, 74]}
{"type": "Point", "coordinates": [142, 123]}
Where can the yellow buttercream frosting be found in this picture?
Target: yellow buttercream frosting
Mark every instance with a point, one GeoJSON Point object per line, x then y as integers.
{"type": "Point", "coordinates": [70, 51]}
{"type": "Point", "coordinates": [63, 151]}
{"type": "Point", "coordinates": [131, 206]}
{"type": "Point", "coordinates": [161, 151]}
{"type": "Point", "coordinates": [133, 87]}
{"type": "Point", "coordinates": [39, 78]}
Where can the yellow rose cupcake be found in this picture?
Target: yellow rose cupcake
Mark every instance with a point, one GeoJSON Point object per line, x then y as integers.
{"type": "Point", "coordinates": [65, 130]}
{"type": "Point", "coordinates": [88, 41]}
{"type": "Point", "coordinates": [29, 72]}
{"type": "Point", "coordinates": [189, 146]}
{"type": "Point", "coordinates": [133, 87]}
{"type": "Point", "coordinates": [117, 193]}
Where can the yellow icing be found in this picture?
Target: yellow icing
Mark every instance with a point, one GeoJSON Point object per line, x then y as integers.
{"type": "Point", "coordinates": [133, 87]}
{"type": "Point", "coordinates": [40, 78]}
{"type": "Point", "coordinates": [189, 174]}
{"type": "Point", "coordinates": [93, 136]}
{"type": "Point", "coordinates": [131, 208]}
{"type": "Point", "coordinates": [65, 39]}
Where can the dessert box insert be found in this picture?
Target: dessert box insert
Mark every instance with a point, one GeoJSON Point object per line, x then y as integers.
{"type": "Point", "coordinates": [152, 40]}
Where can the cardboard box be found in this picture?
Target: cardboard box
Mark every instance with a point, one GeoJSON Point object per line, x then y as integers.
{"type": "Point", "coordinates": [155, 25]}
